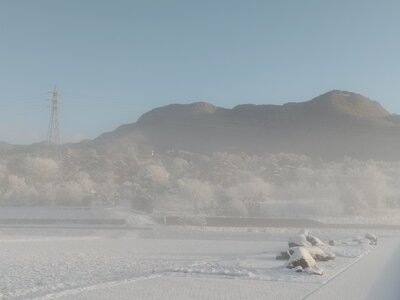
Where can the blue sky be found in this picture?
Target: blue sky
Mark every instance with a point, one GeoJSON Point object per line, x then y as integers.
{"type": "Point", "coordinates": [114, 60]}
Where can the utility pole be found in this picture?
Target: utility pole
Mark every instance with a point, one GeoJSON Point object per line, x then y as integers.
{"type": "Point", "coordinates": [53, 132]}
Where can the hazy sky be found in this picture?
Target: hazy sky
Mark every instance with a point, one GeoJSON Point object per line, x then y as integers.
{"type": "Point", "coordinates": [114, 60]}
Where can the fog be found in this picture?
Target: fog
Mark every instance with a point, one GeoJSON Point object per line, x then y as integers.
{"type": "Point", "coordinates": [189, 197]}
{"type": "Point", "coordinates": [187, 183]}
{"type": "Point", "coordinates": [199, 150]}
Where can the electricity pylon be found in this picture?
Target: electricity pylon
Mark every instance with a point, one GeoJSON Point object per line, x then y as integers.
{"type": "Point", "coordinates": [53, 132]}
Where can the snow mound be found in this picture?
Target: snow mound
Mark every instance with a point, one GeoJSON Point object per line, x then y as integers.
{"type": "Point", "coordinates": [299, 240]}
{"type": "Point", "coordinates": [216, 269]}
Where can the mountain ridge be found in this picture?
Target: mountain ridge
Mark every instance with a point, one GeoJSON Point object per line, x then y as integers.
{"type": "Point", "coordinates": [334, 124]}
{"type": "Point", "coordinates": [336, 103]}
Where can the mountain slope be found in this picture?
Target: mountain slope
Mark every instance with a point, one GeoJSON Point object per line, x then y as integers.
{"type": "Point", "coordinates": [334, 124]}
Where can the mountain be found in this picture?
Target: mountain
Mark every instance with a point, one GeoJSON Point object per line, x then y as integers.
{"type": "Point", "coordinates": [187, 139]}
{"type": "Point", "coordinates": [332, 125]}
{"type": "Point", "coordinates": [345, 103]}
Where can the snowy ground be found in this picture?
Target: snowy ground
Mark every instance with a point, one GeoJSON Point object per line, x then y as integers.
{"type": "Point", "coordinates": [387, 217]}
{"type": "Point", "coordinates": [188, 263]}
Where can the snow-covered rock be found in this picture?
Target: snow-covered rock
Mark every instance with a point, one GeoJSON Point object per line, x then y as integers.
{"type": "Point", "coordinates": [320, 254]}
{"type": "Point", "coordinates": [301, 257]}
{"type": "Point", "coordinates": [373, 240]}
{"type": "Point", "coordinates": [313, 240]}
{"type": "Point", "coordinates": [283, 255]}
{"type": "Point", "coordinates": [299, 240]}
{"type": "Point", "coordinates": [316, 248]}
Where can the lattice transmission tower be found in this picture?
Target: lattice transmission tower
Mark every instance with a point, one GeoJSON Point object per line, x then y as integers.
{"type": "Point", "coordinates": [53, 132]}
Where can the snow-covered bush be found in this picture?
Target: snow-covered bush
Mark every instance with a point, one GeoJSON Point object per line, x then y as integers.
{"type": "Point", "coordinates": [219, 183]}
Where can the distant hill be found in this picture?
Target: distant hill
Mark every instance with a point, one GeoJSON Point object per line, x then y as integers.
{"type": "Point", "coordinates": [332, 125]}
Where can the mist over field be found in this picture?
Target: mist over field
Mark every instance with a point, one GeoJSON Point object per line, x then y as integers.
{"type": "Point", "coordinates": [219, 184]}
{"type": "Point", "coordinates": [199, 150]}
{"type": "Point", "coordinates": [331, 156]}
{"type": "Point", "coordinates": [189, 197]}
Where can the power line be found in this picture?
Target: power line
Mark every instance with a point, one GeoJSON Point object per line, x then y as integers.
{"type": "Point", "coordinates": [53, 133]}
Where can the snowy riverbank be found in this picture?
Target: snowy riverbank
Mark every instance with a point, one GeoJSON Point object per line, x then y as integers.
{"type": "Point", "coordinates": [91, 264]}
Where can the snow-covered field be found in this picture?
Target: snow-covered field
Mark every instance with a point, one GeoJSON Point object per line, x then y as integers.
{"type": "Point", "coordinates": [189, 263]}
{"type": "Point", "coordinates": [387, 217]}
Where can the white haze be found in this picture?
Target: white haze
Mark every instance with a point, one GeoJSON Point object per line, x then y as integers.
{"type": "Point", "coordinates": [141, 212]}
{"type": "Point", "coordinates": [183, 182]}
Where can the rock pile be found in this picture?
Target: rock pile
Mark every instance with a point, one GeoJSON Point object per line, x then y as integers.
{"type": "Point", "coordinates": [304, 252]}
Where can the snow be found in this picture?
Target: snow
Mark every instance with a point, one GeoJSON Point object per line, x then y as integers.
{"type": "Point", "coordinates": [177, 263]}
{"type": "Point", "coordinates": [385, 217]}
{"type": "Point", "coordinates": [301, 260]}
{"type": "Point", "coordinates": [314, 240]}
{"type": "Point", "coordinates": [132, 218]}
{"type": "Point", "coordinates": [374, 278]}
{"type": "Point", "coordinates": [196, 288]}
{"type": "Point", "coordinates": [299, 240]}
{"type": "Point", "coordinates": [58, 213]}
{"type": "Point", "coordinates": [321, 253]}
